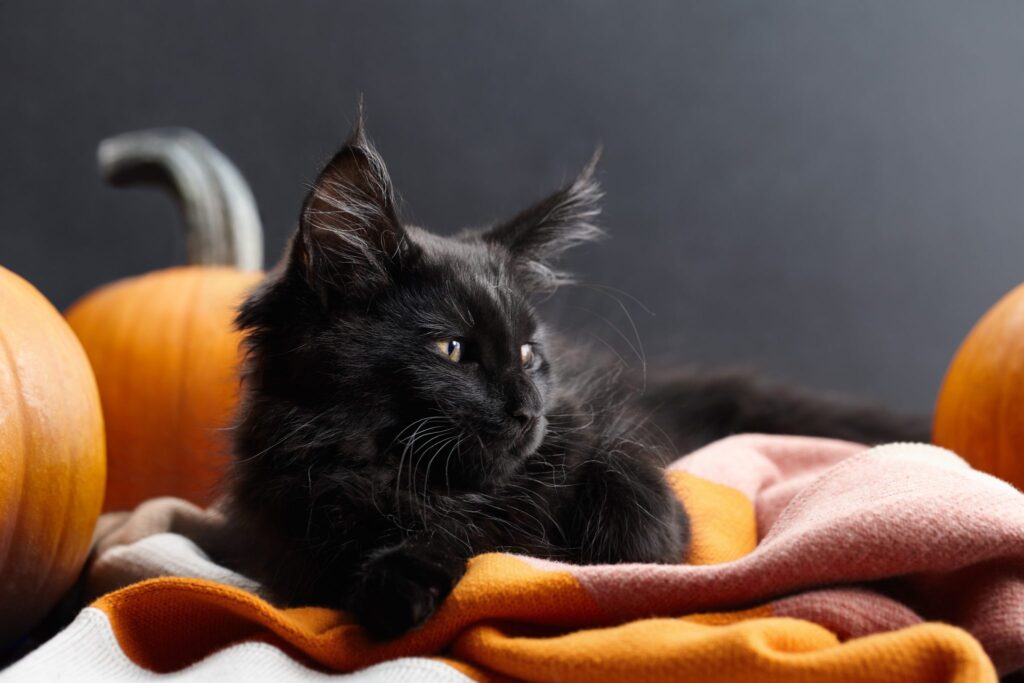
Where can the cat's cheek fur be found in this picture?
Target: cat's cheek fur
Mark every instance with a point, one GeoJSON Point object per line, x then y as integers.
{"type": "Point", "coordinates": [533, 441]}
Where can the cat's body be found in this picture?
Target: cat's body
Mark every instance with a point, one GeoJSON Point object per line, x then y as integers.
{"type": "Point", "coordinates": [405, 409]}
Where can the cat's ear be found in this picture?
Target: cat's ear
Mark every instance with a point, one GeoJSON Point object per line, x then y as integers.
{"type": "Point", "coordinates": [350, 239]}
{"type": "Point", "coordinates": [538, 236]}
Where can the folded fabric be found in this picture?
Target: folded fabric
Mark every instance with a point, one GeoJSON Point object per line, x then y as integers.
{"type": "Point", "coordinates": [812, 560]}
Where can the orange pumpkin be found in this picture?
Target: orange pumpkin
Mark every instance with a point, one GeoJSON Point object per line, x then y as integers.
{"type": "Point", "coordinates": [162, 344]}
{"type": "Point", "coordinates": [980, 411]}
{"type": "Point", "coordinates": [52, 456]}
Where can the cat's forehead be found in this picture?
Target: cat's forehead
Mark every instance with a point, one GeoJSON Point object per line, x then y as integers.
{"type": "Point", "coordinates": [472, 269]}
{"type": "Point", "coordinates": [469, 261]}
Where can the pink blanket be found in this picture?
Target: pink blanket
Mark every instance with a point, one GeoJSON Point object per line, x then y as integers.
{"type": "Point", "coordinates": [936, 539]}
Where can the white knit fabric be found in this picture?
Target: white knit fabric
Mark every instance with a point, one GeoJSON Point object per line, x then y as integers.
{"type": "Point", "coordinates": [163, 554]}
{"type": "Point", "coordinates": [88, 651]}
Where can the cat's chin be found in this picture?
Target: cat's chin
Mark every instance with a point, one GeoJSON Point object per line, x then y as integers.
{"type": "Point", "coordinates": [501, 461]}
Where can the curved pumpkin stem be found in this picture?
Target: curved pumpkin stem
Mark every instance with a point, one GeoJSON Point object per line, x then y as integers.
{"type": "Point", "coordinates": [222, 225]}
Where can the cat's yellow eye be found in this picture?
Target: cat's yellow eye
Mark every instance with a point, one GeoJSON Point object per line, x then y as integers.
{"type": "Point", "coordinates": [450, 348]}
{"type": "Point", "coordinates": [526, 355]}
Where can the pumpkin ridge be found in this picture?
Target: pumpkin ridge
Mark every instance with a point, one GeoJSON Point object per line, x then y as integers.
{"type": "Point", "coordinates": [62, 551]}
{"type": "Point", "coordinates": [54, 454]}
{"type": "Point", "coordinates": [26, 445]}
{"type": "Point", "coordinates": [129, 460]}
{"type": "Point", "coordinates": [186, 348]}
{"type": "Point", "coordinates": [60, 460]}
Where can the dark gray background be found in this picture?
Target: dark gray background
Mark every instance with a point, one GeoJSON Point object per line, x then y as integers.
{"type": "Point", "coordinates": [832, 192]}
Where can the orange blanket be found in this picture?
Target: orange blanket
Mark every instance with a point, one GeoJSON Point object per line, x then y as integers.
{"type": "Point", "coordinates": [520, 619]}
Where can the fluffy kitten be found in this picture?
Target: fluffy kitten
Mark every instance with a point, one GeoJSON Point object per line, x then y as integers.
{"type": "Point", "coordinates": [405, 408]}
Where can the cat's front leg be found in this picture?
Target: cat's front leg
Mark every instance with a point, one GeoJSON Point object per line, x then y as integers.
{"type": "Point", "coordinates": [398, 588]}
{"type": "Point", "coordinates": [623, 510]}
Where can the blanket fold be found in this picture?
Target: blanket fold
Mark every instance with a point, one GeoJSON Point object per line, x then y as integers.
{"type": "Point", "coordinates": [812, 559]}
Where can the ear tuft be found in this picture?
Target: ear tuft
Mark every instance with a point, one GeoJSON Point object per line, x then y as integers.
{"type": "Point", "coordinates": [358, 134]}
{"type": "Point", "coordinates": [538, 236]}
{"type": "Point", "coordinates": [350, 238]}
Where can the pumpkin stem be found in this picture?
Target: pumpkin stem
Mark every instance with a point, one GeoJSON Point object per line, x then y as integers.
{"type": "Point", "coordinates": [222, 225]}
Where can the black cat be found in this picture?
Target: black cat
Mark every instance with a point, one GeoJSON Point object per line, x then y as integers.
{"type": "Point", "coordinates": [405, 409]}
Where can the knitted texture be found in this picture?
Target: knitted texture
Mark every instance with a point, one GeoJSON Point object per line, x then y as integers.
{"type": "Point", "coordinates": [811, 560]}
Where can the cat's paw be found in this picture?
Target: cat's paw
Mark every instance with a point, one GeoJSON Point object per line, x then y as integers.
{"type": "Point", "coordinates": [626, 512]}
{"type": "Point", "coordinates": [398, 591]}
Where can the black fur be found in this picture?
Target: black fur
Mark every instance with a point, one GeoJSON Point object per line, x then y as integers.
{"type": "Point", "coordinates": [369, 467]}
